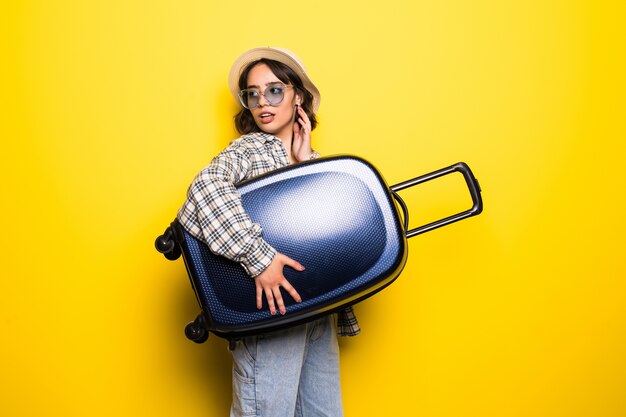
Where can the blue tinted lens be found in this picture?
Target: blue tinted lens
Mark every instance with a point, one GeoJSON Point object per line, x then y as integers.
{"type": "Point", "coordinates": [249, 98]}
{"type": "Point", "coordinates": [275, 94]}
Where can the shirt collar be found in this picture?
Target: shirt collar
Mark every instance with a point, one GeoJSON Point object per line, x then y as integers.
{"type": "Point", "coordinates": [264, 137]}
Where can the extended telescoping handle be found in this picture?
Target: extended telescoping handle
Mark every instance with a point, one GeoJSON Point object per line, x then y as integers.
{"type": "Point", "coordinates": [472, 185]}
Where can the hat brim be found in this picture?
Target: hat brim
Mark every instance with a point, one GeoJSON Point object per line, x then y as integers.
{"type": "Point", "coordinates": [276, 54]}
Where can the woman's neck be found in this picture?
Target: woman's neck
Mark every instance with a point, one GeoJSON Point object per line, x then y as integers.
{"type": "Point", "coordinates": [287, 146]}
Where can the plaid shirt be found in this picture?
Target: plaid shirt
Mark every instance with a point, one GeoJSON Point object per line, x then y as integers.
{"type": "Point", "coordinates": [214, 214]}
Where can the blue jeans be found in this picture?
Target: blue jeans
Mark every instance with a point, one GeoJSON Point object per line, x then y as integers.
{"type": "Point", "coordinates": [292, 372]}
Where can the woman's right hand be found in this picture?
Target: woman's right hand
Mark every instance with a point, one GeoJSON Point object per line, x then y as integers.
{"type": "Point", "coordinates": [271, 279]}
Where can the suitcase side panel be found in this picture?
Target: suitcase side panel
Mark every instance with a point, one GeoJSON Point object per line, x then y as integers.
{"type": "Point", "coordinates": [335, 216]}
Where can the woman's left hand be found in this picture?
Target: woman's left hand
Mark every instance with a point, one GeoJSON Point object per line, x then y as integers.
{"type": "Point", "coordinates": [301, 145]}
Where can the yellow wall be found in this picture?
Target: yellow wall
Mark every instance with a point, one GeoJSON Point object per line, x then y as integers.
{"type": "Point", "coordinates": [110, 108]}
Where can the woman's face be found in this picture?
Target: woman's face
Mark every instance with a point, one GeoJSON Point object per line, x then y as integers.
{"type": "Point", "coordinates": [274, 119]}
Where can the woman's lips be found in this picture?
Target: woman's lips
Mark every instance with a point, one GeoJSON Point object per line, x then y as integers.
{"type": "Point", "coordinates": [266, 117]}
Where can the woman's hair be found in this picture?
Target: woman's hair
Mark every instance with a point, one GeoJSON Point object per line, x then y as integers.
{"type": "Point", "coordinates": [244, 122]}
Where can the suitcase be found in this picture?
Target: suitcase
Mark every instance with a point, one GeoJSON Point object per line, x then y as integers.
{"type": "Point", "coordinates": [336, 216]}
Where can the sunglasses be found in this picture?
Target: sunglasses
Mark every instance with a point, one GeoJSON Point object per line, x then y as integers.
{"type": "Point", "coordinates": [274, 95]}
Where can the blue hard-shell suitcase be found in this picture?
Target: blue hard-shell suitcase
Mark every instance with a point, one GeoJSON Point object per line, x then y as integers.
{"type": "Point", "coordinates": [336, 216]}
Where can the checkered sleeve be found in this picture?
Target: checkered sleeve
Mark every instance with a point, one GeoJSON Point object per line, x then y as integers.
{"type": "Point", "coordinates": [220, 217]}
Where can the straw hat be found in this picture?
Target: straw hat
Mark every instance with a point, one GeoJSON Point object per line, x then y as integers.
{"type": "Point", "coordinates": [277, 54]}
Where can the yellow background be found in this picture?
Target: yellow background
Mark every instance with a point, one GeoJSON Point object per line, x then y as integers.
{"type": "Point", "coordinates": [110, 108]}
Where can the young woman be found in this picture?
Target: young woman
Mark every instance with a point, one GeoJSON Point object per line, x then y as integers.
{"type": "Point", "coordinates": [292, 372]}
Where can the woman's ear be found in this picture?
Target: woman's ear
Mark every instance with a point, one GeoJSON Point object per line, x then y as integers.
{"type": "Point", "coordinates": [298, 99]}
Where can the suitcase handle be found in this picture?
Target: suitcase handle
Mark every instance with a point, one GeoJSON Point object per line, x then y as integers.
{"type": "Point", "coordinates": [472, 185]}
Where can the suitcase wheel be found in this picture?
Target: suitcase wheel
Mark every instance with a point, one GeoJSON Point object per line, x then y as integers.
{"type": "Point", "coordinates": [166, 245]}
{"type": "Point", "coordinates": [196, 330]}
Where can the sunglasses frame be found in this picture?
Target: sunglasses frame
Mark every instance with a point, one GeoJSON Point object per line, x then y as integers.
{"type": "Point", "coordinates": [262, 93]}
